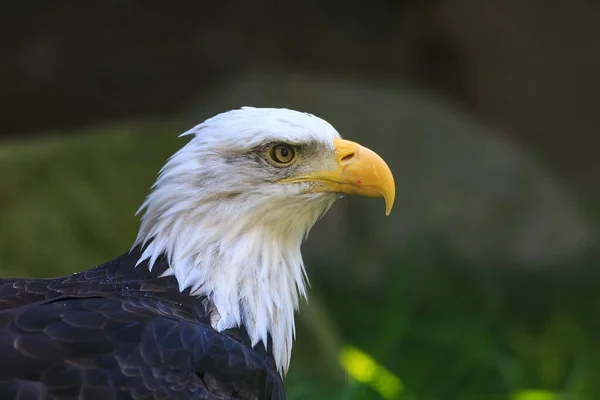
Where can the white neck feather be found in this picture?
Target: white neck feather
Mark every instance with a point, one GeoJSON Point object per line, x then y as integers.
{"type": "Point", "coordinates": [241, 248]}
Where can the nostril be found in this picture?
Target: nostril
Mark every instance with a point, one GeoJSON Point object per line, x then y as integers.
{"type": "Point", "coordinates": [348, 157]}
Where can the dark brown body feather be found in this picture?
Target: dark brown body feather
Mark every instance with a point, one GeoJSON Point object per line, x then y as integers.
{"type": "Point", "coordinates": [122, 332]}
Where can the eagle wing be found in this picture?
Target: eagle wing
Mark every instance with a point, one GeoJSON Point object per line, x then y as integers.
{"type": "Point", "coordinates": [93, 346]}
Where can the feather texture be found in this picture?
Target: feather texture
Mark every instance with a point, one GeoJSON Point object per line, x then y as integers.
{"type": "Point", "coordinates": [230, 230]}
{"type": "Point", "coordinates": [120, 332]}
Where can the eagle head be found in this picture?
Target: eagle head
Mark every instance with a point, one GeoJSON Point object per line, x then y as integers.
{"type": "Point", "coordinates": [230, 209]}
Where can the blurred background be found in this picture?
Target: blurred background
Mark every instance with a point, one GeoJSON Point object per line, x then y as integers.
{"type": "Point", "coordinates": [483, 282]}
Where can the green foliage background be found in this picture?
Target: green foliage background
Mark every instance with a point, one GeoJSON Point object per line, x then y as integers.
{"type": "Point", "coordinates": [447, 328]}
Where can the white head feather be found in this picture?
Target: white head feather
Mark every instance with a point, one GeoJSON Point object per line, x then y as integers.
{"type": "Point", "coordinates": [229, 230]}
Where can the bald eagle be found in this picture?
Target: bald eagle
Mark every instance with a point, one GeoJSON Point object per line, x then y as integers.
{"type": "Point", "coordinates": [202, 306]}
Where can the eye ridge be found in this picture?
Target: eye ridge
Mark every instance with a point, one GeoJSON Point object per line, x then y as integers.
{"type": "Point", "coordinates": [282, 153]}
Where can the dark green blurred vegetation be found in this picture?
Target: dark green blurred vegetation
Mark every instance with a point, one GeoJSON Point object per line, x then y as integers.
{"type": "Point", "coordinates": [446, 327]}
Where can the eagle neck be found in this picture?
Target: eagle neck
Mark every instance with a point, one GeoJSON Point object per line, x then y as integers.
{"type": "Point", "coordinates": [252, 272]}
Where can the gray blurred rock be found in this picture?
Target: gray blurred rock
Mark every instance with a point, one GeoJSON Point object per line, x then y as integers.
{"type": "Point", "coordinates": [488, 198]}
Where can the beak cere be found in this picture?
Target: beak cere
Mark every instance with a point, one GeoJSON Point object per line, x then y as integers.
{"type": "Point", "coordinates": [359, 171]}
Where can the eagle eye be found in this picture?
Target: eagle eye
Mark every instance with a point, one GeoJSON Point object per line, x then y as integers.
{"type": "Point", "coordinates": [282, 154]}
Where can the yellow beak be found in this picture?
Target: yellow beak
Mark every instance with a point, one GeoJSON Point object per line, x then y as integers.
{"type": "Point", "coordinates": [358, 171]}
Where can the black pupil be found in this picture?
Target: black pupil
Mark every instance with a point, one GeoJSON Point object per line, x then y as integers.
{"type": "Point", "coordinates": [284, 151]}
